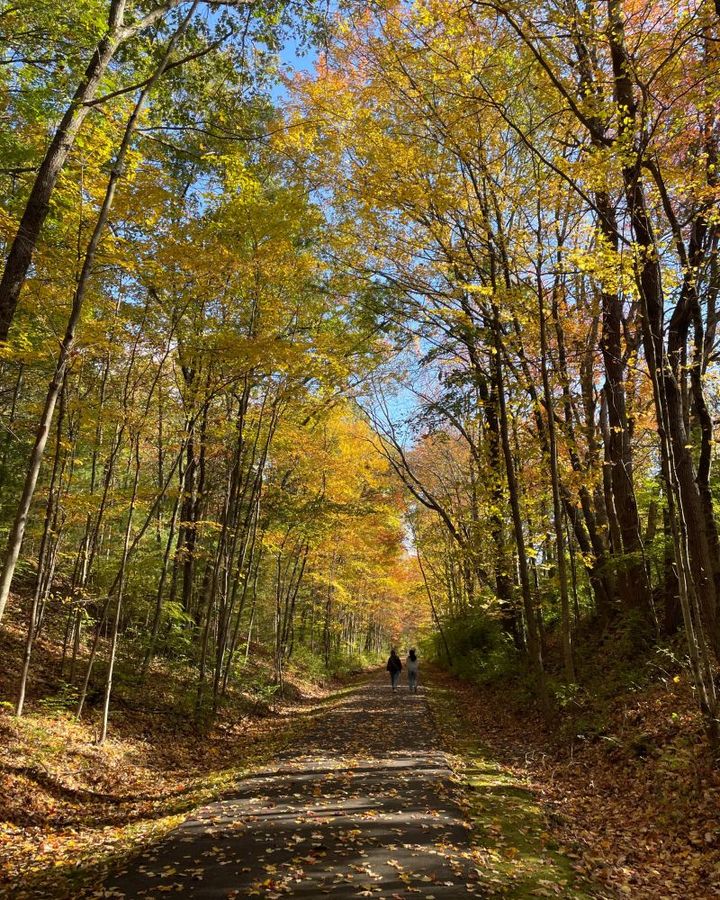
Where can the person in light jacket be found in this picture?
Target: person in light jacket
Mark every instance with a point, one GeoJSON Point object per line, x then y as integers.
{"type": "Point", "coordinates": [412, 671]}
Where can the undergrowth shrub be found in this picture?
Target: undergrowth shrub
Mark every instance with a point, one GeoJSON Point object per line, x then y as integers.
{"type": "Point", "coordinates": [341, 662]}
{"type": "Point", "coordinates": [480, 651]}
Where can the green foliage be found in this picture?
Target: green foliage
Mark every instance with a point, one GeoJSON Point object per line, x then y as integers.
{"type": "Point", "coordinates": [64, 699]}
{"type": "Point", "coordinates": [479, 649]}
{"type": "Point", "coordinates": [342, 661]}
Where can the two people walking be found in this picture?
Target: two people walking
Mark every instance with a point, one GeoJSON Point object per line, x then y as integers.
{"type": "Point", "coordinates": [394, 667]}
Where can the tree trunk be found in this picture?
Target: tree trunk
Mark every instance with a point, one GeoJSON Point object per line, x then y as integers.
{"type": "Point", "coordinates": [33, 622]}
{"type": "Point", "coordinates": [157, 614]}
{"type": "Point", "coordinates": [694, 569]}
{"type": "Point", "coordinates": [18, 528]}
{"type": "Point", "coordinates": [433, 607]}
{"type": "Point", "coordinates": [38, 203]}
{"type": "Point", "coordinates": [534, 647]}
{"type": "Point", "coordinates": [120, 579]}
{"type": "Point", "coordinates": [566, 624]}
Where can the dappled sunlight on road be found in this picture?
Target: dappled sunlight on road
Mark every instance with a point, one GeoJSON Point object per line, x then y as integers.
{"type": "Point", "coordinates": [368, 807]}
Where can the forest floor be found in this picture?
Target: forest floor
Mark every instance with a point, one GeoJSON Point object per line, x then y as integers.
{"type": "Point", "coordinates": [354, 791]}
{"type": "Point", "coordinates": [627, 786]}
{"type": "Point", "coordinates": [363, 801]}
{"type": "Point", "coordinates": [69, 806]}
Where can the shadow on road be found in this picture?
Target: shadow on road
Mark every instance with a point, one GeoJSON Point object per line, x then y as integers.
{"type": "Point", "coordinates": [367, 806]}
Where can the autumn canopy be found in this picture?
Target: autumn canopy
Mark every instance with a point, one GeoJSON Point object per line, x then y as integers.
{"type": "Point", "coordinates": [326, 329]}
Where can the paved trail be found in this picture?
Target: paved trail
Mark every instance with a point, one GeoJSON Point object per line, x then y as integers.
{"type": "Point", "coordinates": [365, 808]}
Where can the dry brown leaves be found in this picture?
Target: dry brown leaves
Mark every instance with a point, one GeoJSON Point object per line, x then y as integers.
{"type": "Point", "coordinates": [638, 806]}
{"type": "Point", "coordinates": [67, 803]}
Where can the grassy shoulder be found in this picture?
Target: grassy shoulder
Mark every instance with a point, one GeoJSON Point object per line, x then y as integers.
{"type": "Point", "coordinates": [516, 851]}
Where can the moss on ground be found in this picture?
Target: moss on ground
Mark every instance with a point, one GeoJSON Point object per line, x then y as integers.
{"type": "Point", "coordinates": [512, 840]}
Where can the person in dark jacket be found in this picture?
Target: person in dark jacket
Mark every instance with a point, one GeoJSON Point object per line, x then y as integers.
{"type": "Point", "coordinates": [394, 667]}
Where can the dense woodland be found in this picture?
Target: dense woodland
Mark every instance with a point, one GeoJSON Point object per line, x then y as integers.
{"type": "Point", "coordinates": [416, 341]}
